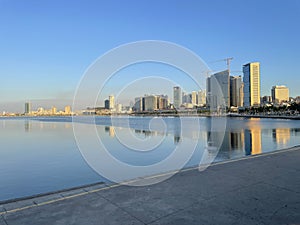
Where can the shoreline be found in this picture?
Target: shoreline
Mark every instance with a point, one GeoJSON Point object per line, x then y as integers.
{"type": "Point", "coordinates": [92, 187]}
{"type": "Point", "coordinates": [161, 115]}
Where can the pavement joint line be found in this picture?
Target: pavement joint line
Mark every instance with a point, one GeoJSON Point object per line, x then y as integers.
{"type": "Point", "coordinates": [149, 177]}
{"type": "Point", "coordinates": [286, 189]}
{"type": "Point", "coordinates": [172, 213]}
{"type": "Point", "coordinates": [119, 207]}
{"type": "Point", "coordinates": [4, 219]}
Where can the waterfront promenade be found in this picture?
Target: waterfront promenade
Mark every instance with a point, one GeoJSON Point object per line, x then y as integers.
{"type": "Point", "coordinates": [263, 189]}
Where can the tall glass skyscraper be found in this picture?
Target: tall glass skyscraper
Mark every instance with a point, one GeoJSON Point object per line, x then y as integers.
{"type": "Point", "coordinates": [27, 108]}
{"type": "Point", "coordinates": [177, 97]}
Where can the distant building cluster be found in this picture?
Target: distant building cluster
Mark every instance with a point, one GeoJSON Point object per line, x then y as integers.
{"type": "Point", "coordinates": [232, 92]}
{"type": "Point", "coordinates": [46, 112]}
{"type": "Point", "coordinates": [151, 103]}
{"type": "Point", "coordinates": [223, 93]}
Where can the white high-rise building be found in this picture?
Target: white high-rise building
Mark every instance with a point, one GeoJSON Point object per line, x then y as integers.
{"type": "Point", "coordinates": [111, 100]}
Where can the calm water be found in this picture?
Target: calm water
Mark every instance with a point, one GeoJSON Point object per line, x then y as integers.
{"type": "Point", "coordinates": [39, 155]}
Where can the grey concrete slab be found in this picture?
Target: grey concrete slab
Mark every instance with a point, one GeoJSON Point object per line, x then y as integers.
{"type": "Point", "coordinates": [255, 170]}
{"type": "Point", "coordinates": [2, 209]}
{"type": "Point", "coordinates": [148, 203]}
{"type": "Point", "coordinates": [290, 181]}
{"type": "Point", "coordinates": [2, 222]}
{"type": "Point", "coordinates": [179, 192]}
{"type": "Point", "coordinates": [206, 215]}
{"type": "Point", "coordinates": [289, 214]}
{"type": "Point", "coordinates": [257, 204]}
{"type": "Point", "coordinates": [87, 209]}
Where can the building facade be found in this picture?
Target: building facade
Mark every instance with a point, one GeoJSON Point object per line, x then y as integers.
{"type": "Point", "coordinates": [236, 91]}
{"type": "Point", "coordinates": [218, 91]}
{"type": "Point", "coordinates": [177, 97]}
{"type": "Point", "coordinates": [280, 94]}
{"type": "Point", "coordinates": [251, 84]}
{"type": "Point", "coordinates": [27, 108]}
{"type": "Point", "coordinates": [111, 100]}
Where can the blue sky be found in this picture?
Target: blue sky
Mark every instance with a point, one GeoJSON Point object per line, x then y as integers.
{"type": "Point", "coordinates": [46, 46]}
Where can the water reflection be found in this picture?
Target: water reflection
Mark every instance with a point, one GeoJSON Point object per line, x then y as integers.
{"type": "Point", "coordinates": [234, 142]}
{"type": "Point", "coordinates": [281, 135]}
{"type": "Point", "coordinates": [27, 125]}
{"type": "Point", "coordinates": [46, 146]}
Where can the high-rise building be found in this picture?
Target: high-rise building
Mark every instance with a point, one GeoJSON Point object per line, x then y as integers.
{"type": "Point", "coordinates": [68, 109]}
{"type": "Point", "coordinates": [236, 91]}
{"type": "Point", "coordinates": [163, 102]}
{"type": "Point", "coordinates": [53, 110]}
{"type": "Point", "coordinates": [194, 98]}
{"type": "Point", "coordinates": [218, 91]}
{"type": "Point", "coordinates": [138, 104]}
{"type": "Point", "coordinates": [201, 98]}
{"type": "Point", "coordinates": [151, 102]}
{"type": "Point", "coordinates": [251, 84]}
{"type": "Point", "coordinates": [280, 94]}
{"type": "Point", "coordinates": [177, 97]}
{"type": "Point", "coordinates": [106, 104]}
{"type": "Point", "coordinates": [111, 100]}
{"type": "Point", "coordinates": [27, 108]}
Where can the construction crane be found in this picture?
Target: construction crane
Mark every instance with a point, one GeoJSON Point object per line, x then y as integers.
{"type": "Point", "coordinates": [228, 61]}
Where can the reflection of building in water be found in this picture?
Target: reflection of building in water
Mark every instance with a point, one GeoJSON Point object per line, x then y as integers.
{"type": "Point", "coordinates": [281, 135]}
{"type": "Point", "coordinates": [237, 140]}
{"type": "Point", "coordinates": [295, 131]}
{"type": "Point", "coordinates": [27, 126]}
{"type": "Point", "coordinates": [177, 130]}
{"type": "Point", "coordinates": [110, 130]}
{"type": "Point", "coordinates": [253, 141]}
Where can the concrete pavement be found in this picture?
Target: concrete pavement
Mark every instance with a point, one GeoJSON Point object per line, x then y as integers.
{"type": "Point", "coordinates": [252, 190]}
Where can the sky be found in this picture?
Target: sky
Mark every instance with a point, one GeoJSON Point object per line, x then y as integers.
{"type": "Point", "coordinates": [46, 46]}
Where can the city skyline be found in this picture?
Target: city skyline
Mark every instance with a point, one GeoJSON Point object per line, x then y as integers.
{"type": "Point", "coordinates": [46, 49]}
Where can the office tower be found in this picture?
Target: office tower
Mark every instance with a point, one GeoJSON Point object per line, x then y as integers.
{"type": "Point", "coordinates": [163, 101]}
{"type": "Point", "coordinates": [150, 103]}
{"type": "Point", "coordinates": [68, 109]}
{"type": "Point", "coordinates": [218, 91]}
{"type": "Point", "coordinates": [27, 108]}
{"type": "Point", "coordinates": [53, 110]}
{"type": "Point", "coordinates": [201, 98]}
{"type": "Point", "coordinates": [111, 100]}
{"type": "Point", "coordinates": [177, 97]}
{"type": "Point", "coordinates": [280, 94]}
{"type": "Point", "coordinates": [251, 84]}
{"type": "Point", "coordinates": [106, 104]}
{"type": "Point", "coordinates": [194, 98]}
{"type": "Point", "coordinates": [119, 108]}
{"type": "Point", "coordinates": [236, 91]}
{"type": "Point", "coordinates": [138, 104]}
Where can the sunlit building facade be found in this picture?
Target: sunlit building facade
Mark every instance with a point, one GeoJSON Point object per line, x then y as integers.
{"type": "Point", "coordinates": [251, 84]}
{"type": "Point", "coordinates": [280, 94]}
